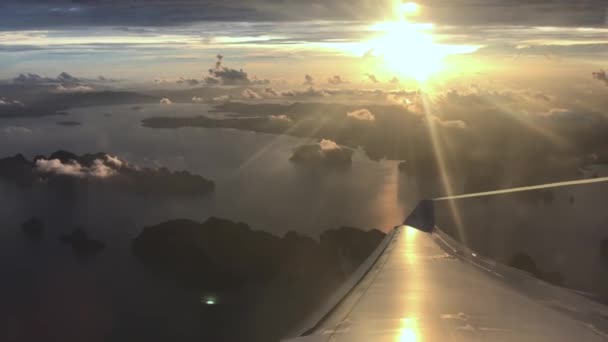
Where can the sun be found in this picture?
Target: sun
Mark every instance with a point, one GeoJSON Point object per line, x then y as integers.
{"type": "Point", "coordinates": [409, 49]}
{"type": "Point", "coordinates": [409, 8]}
{"type": "Point", "coordinates": [406, 49]}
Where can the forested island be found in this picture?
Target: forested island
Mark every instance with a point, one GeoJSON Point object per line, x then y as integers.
{"type": "Point", "coordinates": [254, 286]}
{"type": "Point", "coordinates": [70, 171]}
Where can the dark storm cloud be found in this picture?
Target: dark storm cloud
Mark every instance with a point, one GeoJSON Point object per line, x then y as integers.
{"type": "Point", "coordinates": [23, 14]}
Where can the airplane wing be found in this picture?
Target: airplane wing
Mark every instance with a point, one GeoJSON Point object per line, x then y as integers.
{"type": "Point", "coordinates": [423, 285]}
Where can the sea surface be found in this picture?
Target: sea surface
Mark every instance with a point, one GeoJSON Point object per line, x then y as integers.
{"type": "Point", "coordinates": [46, 291]}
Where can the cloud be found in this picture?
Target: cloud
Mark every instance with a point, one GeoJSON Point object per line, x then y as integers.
{"type": "Point", "coordinates": [78, 88]}
{"type": "Point", "coordinates": [450, 123]}
{"type": "Point", "coordinates": [250, 94]}
{"type": "Point", "coordinates": [271, 92]}
{"type": "Point", "coordinates": [336, 79]}
{"type": "Point", "coordinates": [328, 145]}
{"type": "Point", "coordinates": [221, 98]}
{"type": "Point", "coordinates": [17, 130]}
{"type": "Point", "coordinates": [369, 53]}
{"type": "Point", "coordinates": [57, 167]}
{"type": "Point", "coordinates": [310, 92]}
{"type": "Point", "coordinates": [197, 99]}
{"type": "Point", "coordinates": [64, 77]}
{"type": "Point", "coordinates": [601, 76]}
{"type": "Point", "coordinates": [100, 168]}
{"type": "Point", "coordinates": [31, 78]}
{"type": "Point", "coordinates": [6, 102]}
{"type": "Point", "coordinates": [221, 74]}
{"type": "Point", "coordinates": [372, 78]}
{"type": "Point", "coordinates": [18, 14]}
{"type": "Point", "coordinates": [165, 101]}
{"type": "Point", "coordinates": [361, 114]}
{"type": "Point", "coordinates": [281, 117]}
{"type": "Point", "coordinates": [394, 80]}
{"type": "Point", "coordinates": [114, 161]}
{"type": "Point", "coordinates": [308, 80]}
{"type": "Point", "coordinates": [188, 81]}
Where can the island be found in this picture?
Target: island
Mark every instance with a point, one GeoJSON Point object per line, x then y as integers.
{"type": "Point", "coordinates": [459, 149]}
{"type": "Point", "coordinates": [82, 245]}
{"type": "Point", "coordinates": [65, 170]}
{"type": "Point", "coordinates": [68, 123]}
{"type": "Point", "coordinates": [33, 228]}
{"type": "Point", "coordinates": [262, 283]}
{"type": "Point", "coordinates": [43, 103]}
{"type": "Point", "coordinates": [325, 152]}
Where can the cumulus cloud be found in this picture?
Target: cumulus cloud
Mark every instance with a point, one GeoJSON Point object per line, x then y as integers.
{"type": "Point", "coordinates": [114, 161]}
{"type": "Point", "coordinates": [394, 80]}
{"type": "Point", "coordinates": [188, 81]}
{"type": "Point", "coordinates": [281, 117]}
{"type": "Point", "coordinates": [77, 88]}
{"type": "Point", "coordinates": [372, 78]}
{"type": "Point", "coordinates": [17, 130]}
{"type": "Point", "coordinates": [7, 102]}
{"type": "Point", "coordinates": [57, 167]}
{"type": "Point", "coordinates": [308, 80]}
{"type": "Point", "coordinates": [336, 79]}
{"type": "Point", "coordinates": [250, 94]}
{"type": "Point", "coordinates": [361, 114]}
{"type": "Point", "coordinates": [197, 99]}
{"type": "Point", "coordinates": [100, 168]}
{"type": "Point", "coordinates": [221, 74]}
{"type": "Point", "coordinates": [31, 78]}
{"type": "Point", "coordinates": [64, 77]}
{"type": "Point", "coordinates": [271, 92]}
{"type": "Point", "coordinates": [369, 53]}
{"type": "Point", "coordinates": [221, 98]}
{"type": "Point", "coordinates": [165, 101]}
{"type": "Point", "coordinates": [327, 145]}
{"type": "Point", "coordinates": [310, 92]}
{"type": "Point", "coordinates": [601, 76]}
{"type": "Point", "coordinates": [435, 120]}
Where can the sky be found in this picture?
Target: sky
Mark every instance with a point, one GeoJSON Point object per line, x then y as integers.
{"type": "Point", "coordinates": [366, 43]}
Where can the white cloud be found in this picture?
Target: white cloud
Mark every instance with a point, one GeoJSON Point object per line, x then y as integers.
{"type": "Point", "coordinates": [99, 169]}
{"type": "Point", "coordinates": [327, 145]}
{"type": "Point", "coordinates": [56, 166]}
{"type": "Point", "coordinates": [6, 102]}
{"type": "Point", "coordinates": [361, 114]}
{"type": "Point", "coordinates": [447, 123]}
{"type": "Point", "coordinates": [281, 117]}
{"type": "Point", "coordinates": [221, 98]}
{"type": "Point", "coordinates": [271, 92]}
{"type": "Point", "coordinates": [73, 89]}
{"type": "Point", "coordinates": [312, 92]}
{"type": "Point", "coordinates": [165, 101]}
{"type": "Point", "coordinates": [114, 160]}
{"type": "Point", "coordinates": [17, 130]}
{"type": "Point", "coordinates": [250, 94]}
{"type": "Point", "coordinates": [197, 99]}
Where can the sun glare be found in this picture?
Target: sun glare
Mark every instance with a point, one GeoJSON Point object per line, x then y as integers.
{"type": "Point", "coordinates": [409, 8]}
{"type": "Point", "coordinates": [408, 48]}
